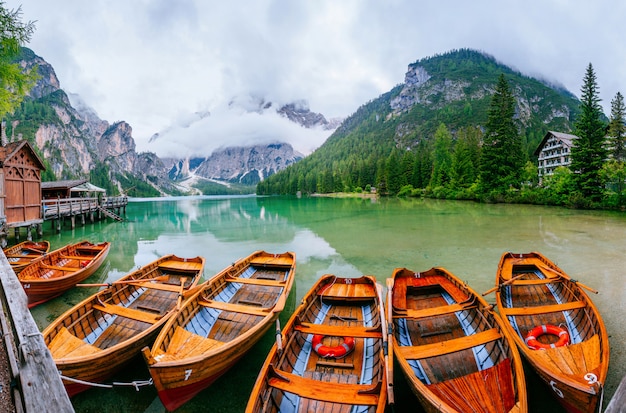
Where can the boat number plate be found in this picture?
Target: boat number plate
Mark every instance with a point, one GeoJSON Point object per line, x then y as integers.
{"type": "Point", "coordinates": [187, 374]}
{"type": "Point", "coordinates": [26, 285]}
{"type": "Point", "coordinates": [591, 378]}
{"type": "Point", "coordinates": [556, 389]}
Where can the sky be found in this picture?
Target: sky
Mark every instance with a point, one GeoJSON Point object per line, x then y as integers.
{"type": "Point", "coordinates": [159, 64]}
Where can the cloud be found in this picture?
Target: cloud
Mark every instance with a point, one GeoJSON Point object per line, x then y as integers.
{"type": "Point", "coordinates": [151, 62]}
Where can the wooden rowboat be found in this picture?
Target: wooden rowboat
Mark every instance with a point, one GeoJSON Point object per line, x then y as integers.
{"type": "Point", "coordinates": [22, 254]}
{"type": "Point", "coordinates": [452, 348]}
{"type": "Point", "coordinates": [217, 325]}
{"type": "Point", "coordinates": [95, 338]}
{"type": "Point", "coordinates": [56, 272]}
{"type": "Point", "coordinates": [533, 292]}
{"type": "Point", "coordinates": [330, 355]}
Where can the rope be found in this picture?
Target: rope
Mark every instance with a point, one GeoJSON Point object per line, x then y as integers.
{"type": "Point", "coordinates": [136, 383]}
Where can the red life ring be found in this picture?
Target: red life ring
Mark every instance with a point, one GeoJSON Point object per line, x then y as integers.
{"type": "Point", "coordinates": [531, 338]}
{"type": "Point", "coordinates": [334, 352]}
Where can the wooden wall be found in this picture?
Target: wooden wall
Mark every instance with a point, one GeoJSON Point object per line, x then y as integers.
{"type": "Point", "coordinates": [22, 187]}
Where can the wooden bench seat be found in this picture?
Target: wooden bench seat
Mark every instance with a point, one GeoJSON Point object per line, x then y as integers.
{"type": "Point", "coordinates": [237, 308]}
{"type": "Point", "coordinates": [156, 286]}
{"type": "Point", "coordinates": [338, 331]}
{"type": "Point", "coordinates": [131, 313]}
{"type": "Point", "coordinates": [65, 344]}
{"type": "Point", "coordinates": [186, 344]}
{"type": "Point", "coordinates": [448, 346]}
{"type": "Point", "coordinates": [538, 281]}
{"type": "Point", "coordinates": [54, 267]}
{"type": "Point", "coordinates": [333, 392]}
{"type": "Point", "coordinates": [256, 281]}
{"type": "Point", "coordinates": [429, 312]}
{"type": "Point", "coordinates": [543, 308]}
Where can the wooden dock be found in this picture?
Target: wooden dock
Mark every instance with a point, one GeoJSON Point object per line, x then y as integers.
{"type": "Point", "coordinates": [618, 402]}
{"type": "Point", "coordinates": [36, 384]}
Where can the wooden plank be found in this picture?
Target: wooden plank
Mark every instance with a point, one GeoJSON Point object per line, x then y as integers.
{"type": "Point", "coordinates": [448, 346]}
{"type": "Point", "coordinates": [138, 315]}
{"type": "Point", "coordinates": [356, 394]}
{"type": "Point", "coordinates": [339, 331]}
{"type": "Point", "coordinates": [38, 378]}
{"type": "Point", "coordinates": [65, 344]}
{"type": "Point", "coordinates": [618, 401]}
{"type": "Point", "coordinates": [256, 281]}
{"type": "Point", "coordinates": [237, 308]}
{"type": "Point", "coordinates": [429, 312]}
{"type": "Point", "coordinates": [156, 286]}
{"type": "Point", "coordinates": [54, 267]}
{"type": "Point", "coordinates": [544, 308]}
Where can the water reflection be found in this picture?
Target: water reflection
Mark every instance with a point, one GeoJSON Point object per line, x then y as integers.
{"type": "Point", "coordinates": [350, 237]}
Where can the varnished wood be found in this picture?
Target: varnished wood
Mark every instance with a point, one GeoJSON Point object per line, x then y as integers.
{"type": "Point", "coordinates": [97, 337]}
{"type": "Point", "coordinates": [24, 253]}
{"type": "Point", "coordinates": [441, 325]}
{"type": "Point", "coordinates": [544, 294]}
{"type": "Point", "coordinates": [54, 273]}
{"type": "Point", "coordinates": [294, 370]}
{"type": "Point", "coordinates": [218, 324]}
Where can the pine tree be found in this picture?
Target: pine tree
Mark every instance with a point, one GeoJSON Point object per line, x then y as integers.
{"type": "Point", "coordinates": [442, 161]}
{"type": "Point", "coordinates": [502, 157]}
{"type": "Point", "coordinates": [14, 83]}
{"type": "Point", "coordinates": [617, 128]}
{"type": "Point", "coordinates": [589, 151]}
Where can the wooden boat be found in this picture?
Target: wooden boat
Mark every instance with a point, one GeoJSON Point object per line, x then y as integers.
{"type": "Point", "coordinates": [96, 337]}
{"type": "Point", "coordinates": [452, 348]}
{"type": "Point", "coordinates": [533, 292]}
{"type": "Point", "coordinates": [22, 254]}
{"type": "Point", "coordinates": [330, 355]}
{"type": "Point", "coordinates": [217, 325]}
{"type": "Point", "coordinates": [58, 271]}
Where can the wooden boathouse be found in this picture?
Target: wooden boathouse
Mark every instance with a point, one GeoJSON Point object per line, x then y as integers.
{"type": "Point", "coordinates": [26, 202]}
{"type": "Point", "coordinates": [20, 187]}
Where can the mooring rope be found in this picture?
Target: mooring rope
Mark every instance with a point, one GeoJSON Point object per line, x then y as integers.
{"type": "Point", "coordinates": [136, 383]}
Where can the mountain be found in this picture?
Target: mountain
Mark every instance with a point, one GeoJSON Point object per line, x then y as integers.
{"type": "Point", "coordinates": [391, 138]}
{"type": "Point", "coordinates": [75, 143]}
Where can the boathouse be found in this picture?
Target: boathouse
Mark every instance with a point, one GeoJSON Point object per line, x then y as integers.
{"type": "Point", "coordinates": [20, 188]}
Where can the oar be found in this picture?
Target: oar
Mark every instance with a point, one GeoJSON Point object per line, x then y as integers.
{"type": "Point", "coordinates": [553, 271]}
{"type": "Point", "coordinates": [279, 338]}
{"type": "Point", "coordinates": [383, 325]}
{"type": "Point", "coordinates": [509, 281]}
{"type": "Point", "coordinates": [389, 316]}
{"type": "Point", "coordinates": [180, 294]}
{"type": "Point", "coordinates": [121, 282]}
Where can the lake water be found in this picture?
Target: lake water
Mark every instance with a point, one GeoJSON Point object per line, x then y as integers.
{"type": "Point", "coordinates": [348, 237]}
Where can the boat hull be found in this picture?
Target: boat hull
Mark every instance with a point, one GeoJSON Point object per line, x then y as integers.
{"type": "Point", "coordinates": [218, 325]}
{"type": "Point", "coordinates": [54, 273]}
{"type": "Point", "coordinates": [533, 291]}
{"type": "Point", "coordinates": [96, 338]}
{"type": "Point", "coordinates": [451, 347]}
{"type": "Point", "coordinates": [344, 315]}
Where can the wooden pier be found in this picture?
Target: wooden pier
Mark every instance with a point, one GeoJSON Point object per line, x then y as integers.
{"type": "Point", "coordinates": [83, 209]}
{"type": "Point", "coordinates": [35, 383]}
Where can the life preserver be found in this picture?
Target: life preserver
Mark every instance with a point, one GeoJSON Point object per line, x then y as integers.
{"type": "Point", "coordinates": [531, 338]}
{"type": "Point", "coordinates": [332, 352]}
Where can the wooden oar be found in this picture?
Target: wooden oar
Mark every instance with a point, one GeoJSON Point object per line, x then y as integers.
{"type": "Point", "coordinates": [509, 281]}
{"type": "Point", "coordinates": [565, 276]}
{"type": "Point", "coordinates": [389, 315]}
{"type": "Point", "coordinates": [180, 294]}
{"type": "Point", "coordinates": [279, 338]}
{"type": "Point", "coordinates": [140, 280]}
{"type": "Point", "coordinates": [383, 325]}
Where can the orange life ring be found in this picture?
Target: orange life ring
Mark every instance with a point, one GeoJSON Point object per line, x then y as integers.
{"type": "Point", "coordinates": [531, 338]}
{"type": "Point", "coordinates": [333, 352]}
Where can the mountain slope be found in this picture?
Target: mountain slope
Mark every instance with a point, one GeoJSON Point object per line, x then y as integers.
{"type": "Point", "coordinates": [455, 89]}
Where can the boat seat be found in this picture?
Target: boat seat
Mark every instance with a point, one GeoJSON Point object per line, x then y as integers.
{"type": "Point", "coordinates": [515, 311]}
{"type": "Point", "coordinates": [156, 286]}
{"type": "Point", "coordinates": [184, 344]}
{"type": "Point", "coordinates": [131, 313]}
{"type": "Point", "coordinates": [432, 311]}
{"type": "Point", "coordinates": [448, 346]}
{"type": "Point", "coordinates": [338, 331]}
{"type": "Point", "coordinates": [256, 281]}
{"type": "Point", "coordinates": [65, 344]}
{"type": "Point", "coordinates": [333, 392]}
{"type": "Point", "coordinates": [237, 308]}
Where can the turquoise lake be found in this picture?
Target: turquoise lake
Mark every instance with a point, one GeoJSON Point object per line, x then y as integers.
{"type": "Point", "coordinates": [347, 237]}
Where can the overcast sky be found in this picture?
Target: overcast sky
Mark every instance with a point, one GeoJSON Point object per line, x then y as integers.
{"type": "Point", "coordinates": [154, 63]}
